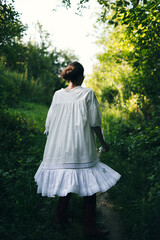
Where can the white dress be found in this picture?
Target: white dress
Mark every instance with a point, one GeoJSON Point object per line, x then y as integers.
{"type": "Point", "coordinates": [70, 162]}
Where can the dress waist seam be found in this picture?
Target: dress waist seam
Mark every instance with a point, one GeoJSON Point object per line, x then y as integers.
{"type": "Point", "coordinates": [69, 165]}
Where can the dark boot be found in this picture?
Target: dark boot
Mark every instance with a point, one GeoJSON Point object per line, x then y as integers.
{"type": "Point", "coordinates": [89, 213]}
{"type": "Point", "coordinates": [61, 214]}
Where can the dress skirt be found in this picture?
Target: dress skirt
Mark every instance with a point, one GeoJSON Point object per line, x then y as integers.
{"type": "Point", "coordinates": [84, 182]}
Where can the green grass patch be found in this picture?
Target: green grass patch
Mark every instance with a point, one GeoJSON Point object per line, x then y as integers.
{"type": "Point", "coordinates": [34, 112]}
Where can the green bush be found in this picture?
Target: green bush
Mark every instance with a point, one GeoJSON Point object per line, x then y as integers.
{"type": "Point", "coordinates": [135, 155]}
{"type": "Point", "coordinates": [15, 87]}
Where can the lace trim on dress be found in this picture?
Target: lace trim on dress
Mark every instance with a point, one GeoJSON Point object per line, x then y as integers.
{"type": "Point", "coordinates": [84, 182]}
{"type": "Point", "coordinates": [69, 165]}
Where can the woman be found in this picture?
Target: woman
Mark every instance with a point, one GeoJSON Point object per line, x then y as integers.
{"type": "Point", "coordinates": [70, 162]}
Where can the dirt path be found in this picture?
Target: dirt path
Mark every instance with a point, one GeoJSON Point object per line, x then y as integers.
{"type": "Point", "coordinates": [109, 217]}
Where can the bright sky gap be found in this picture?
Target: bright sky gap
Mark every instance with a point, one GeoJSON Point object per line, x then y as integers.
{"type": "Point", "coordinates": [68, 30]}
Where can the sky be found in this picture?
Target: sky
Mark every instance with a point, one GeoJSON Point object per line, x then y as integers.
{"type": "Point", "coordinates": [67, 29]}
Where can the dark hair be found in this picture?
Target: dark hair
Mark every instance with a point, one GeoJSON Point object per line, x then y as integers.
{"type": "Point", "coordinates": [74, 72]}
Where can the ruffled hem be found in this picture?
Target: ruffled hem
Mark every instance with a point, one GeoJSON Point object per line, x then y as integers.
{"type": "Point", "coordinates": [84, 182]}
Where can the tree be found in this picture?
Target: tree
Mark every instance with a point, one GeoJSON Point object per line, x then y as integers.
{"type": "Point", "coordinates": [110, 78]}
{"type": "Point", "coordinates": [11, 28]}
{"type": "Point", "coordinates": [38, 63]}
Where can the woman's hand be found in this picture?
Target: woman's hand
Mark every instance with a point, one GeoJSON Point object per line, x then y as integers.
{"type": "Point", "coordinates": [105, 147]}
{"type": "Point", "coordinates": [99, 134]}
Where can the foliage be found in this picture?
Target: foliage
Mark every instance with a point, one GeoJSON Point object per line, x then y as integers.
{"type": "Point", "coordinates": [36, 112]}
{"type": "Point", "coordinates": [127, 64]}
{"type": "Point", "coordinates": [45, 67]}
{"type": "Point", "coordinates": [28, 70]}
{"type": "Point", "coordinates": [142, 30]}
{"type": "Point", "coordinates": [126, 82]}
{"type": "Point", "coordinates": [37, 77]}
{"type": "Point", "coordinates": [16, 87]}
{"type": "Point", "coordinates": [135, 154]}
{"type": "Point", "coordinates": [141, 19]}
{"type": "Point", "coordinates": [11, 27]}
{"type": "Point", "coordinates": [111, 77]}
{"type": "Point", "coordinates": [109, 94]}
{"type": "Point", "coordinates": [145, 36]}
{"type": "Point", "coordinates": [24, 213]}
{"type": "Point", "coordinates": [29, 77]}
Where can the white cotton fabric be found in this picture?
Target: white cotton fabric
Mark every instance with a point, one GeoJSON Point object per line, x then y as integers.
{"type": "Point", "coordinates": [70, 162]}
{"type": "Point", "coordinates": [84, 182]}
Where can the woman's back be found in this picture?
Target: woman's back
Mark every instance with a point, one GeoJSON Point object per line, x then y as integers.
{"type": "Point", "coordinates": [71, 141]}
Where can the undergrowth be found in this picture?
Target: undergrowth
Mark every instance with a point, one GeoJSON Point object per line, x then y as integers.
{"type": "Point", "coordinates": [24, 213]}
{"type": "Point", "coordinates": [134, 153]}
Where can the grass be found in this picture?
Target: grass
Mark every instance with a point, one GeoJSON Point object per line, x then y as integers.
{"type": "Point", "coordinates": [33, 111]}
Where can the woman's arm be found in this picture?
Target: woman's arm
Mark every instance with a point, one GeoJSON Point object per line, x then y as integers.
{"type": "Point", "coordinates": [99, 134]}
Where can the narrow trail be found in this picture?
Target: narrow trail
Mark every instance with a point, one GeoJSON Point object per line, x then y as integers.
{"type": "Point", "coordinates": [106, 218]}
{"type": "Point", "coordinates": [109, 217]}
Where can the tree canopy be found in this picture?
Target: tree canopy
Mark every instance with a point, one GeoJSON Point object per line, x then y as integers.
{"type": "Point", "coordinates": [11, 27]}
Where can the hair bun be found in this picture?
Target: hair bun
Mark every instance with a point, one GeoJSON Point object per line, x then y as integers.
{"type": "Point", "coordinates": [68, 73]}
{"type": "Point", "coordinates": [69, 69]}
{"type": "Point", "coordinates": [74, 72]}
